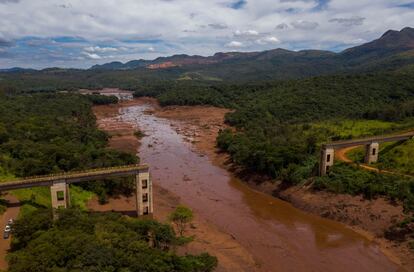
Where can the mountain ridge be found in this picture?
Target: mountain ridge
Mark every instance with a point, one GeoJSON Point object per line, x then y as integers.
{"type": "Point", "coordinates": [391, 42]}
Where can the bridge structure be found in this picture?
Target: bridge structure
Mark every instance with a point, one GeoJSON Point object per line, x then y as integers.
{"type": "Point", "coordinates": [59, 184]}
{"type": "Point", "coordinates": [371, 149]}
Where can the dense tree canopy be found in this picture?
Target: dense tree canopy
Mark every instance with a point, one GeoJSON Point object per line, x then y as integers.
{"type": "Point", "coordinates": [78, 241]}
{"type": "Point", "coordinates": [49, 133]}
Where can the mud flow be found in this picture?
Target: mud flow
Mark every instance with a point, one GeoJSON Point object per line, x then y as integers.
{"type": "Point", "coordinates": [279, 236]}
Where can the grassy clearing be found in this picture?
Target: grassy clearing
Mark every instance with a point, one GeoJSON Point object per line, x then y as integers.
{"type": "Point", "coordinates": [4, 176]}
{"type": "Point", "coordinates": [32, 199]}
{"type": "Point", "coordinates": [197, 76]}
{"type": "Point", "coordinates": [35, 198]}
{"type": "Point", "coordinates": [358, 154]}
{"type": "Point", "coordinates": [348, 129]}
{"type": "Point", "coordinates": [79, 197]}
{"type": "Point", "coordinates": [396, 156]}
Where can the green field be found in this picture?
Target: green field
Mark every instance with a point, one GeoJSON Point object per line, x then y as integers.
{"type": "Point", "coordinates": [35, 198]}
{"type": "Point", "coordinates": [349, 129]}
{"type": "Point", "coordinates": [400, 157]}
{"type": "Point", "coordinates": [397, 157]}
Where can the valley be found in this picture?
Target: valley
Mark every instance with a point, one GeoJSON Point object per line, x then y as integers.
{"type": "Point", "coordinates": [195, 175]}
{"type": "Point", "coordinates": [233, 141]}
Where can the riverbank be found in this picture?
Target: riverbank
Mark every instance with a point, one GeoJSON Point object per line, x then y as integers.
{"type": "Point", "coordinates": [368, 217]}
{"type": "Point", "coordinates": [277, 236]}
{"type": "Point", "coordinates": [208, 238]}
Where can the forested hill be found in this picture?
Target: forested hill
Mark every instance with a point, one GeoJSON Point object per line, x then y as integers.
{"type": "Point", "coordinates": [393, 49]}
{"type": "Point", "coordinates": [274, 118]}
{"type": "Point", "coordinates": [280, 125]}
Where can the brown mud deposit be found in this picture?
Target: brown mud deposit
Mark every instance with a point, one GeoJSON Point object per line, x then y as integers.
{"type": "Point", "coordinates": [276, 235]}
{"type": "Point", "coordinates": [369, 217]}
{"type": "Point", "coordinates": [121, 134]}
{"type": "Point", "coordinates": [231, 255]}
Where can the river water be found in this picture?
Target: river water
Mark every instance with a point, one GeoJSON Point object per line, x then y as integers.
{"type": "Point", "coordinates": [279, 236]}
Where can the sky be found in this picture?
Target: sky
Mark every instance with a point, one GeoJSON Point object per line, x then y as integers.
{"type": "Point", "coordinates": [81, 33]}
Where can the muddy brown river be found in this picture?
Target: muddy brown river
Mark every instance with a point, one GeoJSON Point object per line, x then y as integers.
{"type": "Point", "coordinates": [279, 236]}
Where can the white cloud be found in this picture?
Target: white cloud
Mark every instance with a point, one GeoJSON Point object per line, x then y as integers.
{"type": "Point", "coordinates": [127, 29]}
{"type": "Point", "coordinates": [268, 40]}
{"type": "Point", "coordinates": [97, 49]}
{"type": "Point", "coordinates": [246, 33]}
{"type": "Point", "coordinates": [234, 44]}
{"type": "Point", "coordinates": [92, 55]}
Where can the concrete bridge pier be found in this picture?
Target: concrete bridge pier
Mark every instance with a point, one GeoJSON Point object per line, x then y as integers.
{"type": "Point", "coordinates": [144, 193]}
{"type": "Point", "coordinates": [371, 153]}
{"type": "Point", "coordinates": [59, 192]}
{"type": "Point", "coordinates": [327, 160]}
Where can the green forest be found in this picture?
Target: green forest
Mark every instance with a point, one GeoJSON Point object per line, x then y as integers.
{"type": "Point", "coordinates": [43, 133]}
{"type": "Point", "coordinates": [281, 124]}
{"type": "Point", "coordinates": [79, 241]}
{"type": "Point", "coordinates": [277, 128]}
{"type": "Point", "coordinates": [50, 133]}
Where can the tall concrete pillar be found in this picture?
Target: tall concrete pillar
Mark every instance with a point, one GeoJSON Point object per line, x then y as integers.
{"type": "Point", "coordinates": [144, 197]}
{"type": "Point", "coordinates": [327, 160]}
{"type": "Point", "coordinates": [59, 192]}
{"type": "Point", "coordinates": [371, 153]}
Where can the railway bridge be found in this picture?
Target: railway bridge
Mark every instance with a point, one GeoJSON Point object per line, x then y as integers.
{"type": "Point", "coordinates": [59, 184]}
{"type": "Point", "coordinates": [371, 149]}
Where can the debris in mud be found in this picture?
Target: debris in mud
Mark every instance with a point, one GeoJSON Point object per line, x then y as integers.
{"type": "Point", "coordinates": [186, 178]}
{"type": "Point", "coordinates": [149, 112]}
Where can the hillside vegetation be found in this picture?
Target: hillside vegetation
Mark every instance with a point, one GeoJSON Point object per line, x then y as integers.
{"type": "Point", "coordinates": [79, 241]}
{"type": "Point", "coordinates": [50, 133]}
{"type": "Point", "coordinates": [281, 124]}
{"type": "Point", "coordinates": [392, 51]}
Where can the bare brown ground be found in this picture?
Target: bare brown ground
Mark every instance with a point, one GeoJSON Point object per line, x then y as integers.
{"type": "Point", "coordinates": [200, 125]}
{"type": "Point", "coordinates": [12, 211]}
{"type": "Point", "coordinates": [368, 217]}
{"type": "Point", "coordinates": [231, 255]}
{"type": "Point", "coordinates": [122, 136]}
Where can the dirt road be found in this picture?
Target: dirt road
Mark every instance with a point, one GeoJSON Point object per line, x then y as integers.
{"type": "Point", "coordinates": [341, 155]}
{"type": "Point", "coordinates": [12, 211]}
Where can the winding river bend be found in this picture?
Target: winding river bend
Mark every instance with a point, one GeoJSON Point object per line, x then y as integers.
{"type": "Point", "coordinates": [279, 236]}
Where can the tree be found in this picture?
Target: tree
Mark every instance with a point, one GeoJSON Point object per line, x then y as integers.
{"type": "Point", "coordinates": [181, 217]}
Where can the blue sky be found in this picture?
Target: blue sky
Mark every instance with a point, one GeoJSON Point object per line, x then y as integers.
{"type": "Point", "coordinates": [80, 33]}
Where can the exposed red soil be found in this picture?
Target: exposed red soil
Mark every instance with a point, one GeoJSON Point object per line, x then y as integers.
{"type": "Point", "coordinates": [231, 255]}
{"type": "Point", "coordinates": [121, 134]}
{"type": "Point", "coordinates": [369, 217]}
{"type": "Point", "coordinates": [167, 64]}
